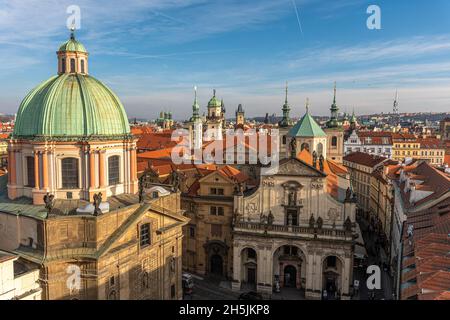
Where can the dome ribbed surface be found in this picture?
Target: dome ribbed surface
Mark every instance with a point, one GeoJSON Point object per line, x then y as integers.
{"type": "Point", "coordinates": [71, 105]}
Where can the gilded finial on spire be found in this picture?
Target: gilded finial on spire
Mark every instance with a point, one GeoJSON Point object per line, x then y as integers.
{"type": "Point", "coordinates": [195, 91]}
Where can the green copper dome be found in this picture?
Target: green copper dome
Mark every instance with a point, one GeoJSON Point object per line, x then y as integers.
{"type": "Point", "coordinates": [71, 106]}
{"type": "Point", "coordinates": [72, 45]}
{"type": "Point", "coordinates": [214, 102]}
{"type": "Point", "coordinates": [306, 127]}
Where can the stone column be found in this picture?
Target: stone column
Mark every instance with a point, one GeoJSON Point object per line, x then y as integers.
{"type": "Point", "coordinates": [12, 167]}
{"type": "Point", "coordinates": [36, 170]}
{"type": "Point", "coordinates": [236, 283]}
{"type": "Point", "coordinates": [44, 170]}
{"type": "Point", "coordinates": [101, 169]}
{"type": "Point", "coordinates": [133, 170]}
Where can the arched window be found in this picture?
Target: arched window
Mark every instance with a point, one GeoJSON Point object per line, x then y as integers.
{"type": "Point", "coordinates": [113, 170]}
{"type": "Point", "coordinates": [304, 146]}
{"type": "Point", "coordinates": [319, 149]}
{"type": "Point", "coordinates": [284, 139]}
{"type": "Point", "coordinates": [82, 65]}
{"type": "Point", "coordinates": [72, 65]}
{"type": "Point", "coordinates": [69, 173]}
{"type": "Point", "coordinates": [63, 65]}
{"type": "Point", "coordinates": [334, 141]}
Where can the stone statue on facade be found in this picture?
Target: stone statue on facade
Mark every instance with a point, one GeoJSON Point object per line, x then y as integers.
{"type": "Point", "coordinates": [290, 220]}
{"type": "Point", "coordinates": [312, 221]}
{"type": "Point", "coordinates": [293, 146]}
{"type": "Point", "coordinates": [48, 200]}
{"type": "Point", "coordinates": [321, 160]}
{"type": "Point", "coordinates": [175, 180]}
{"type": "Point", "coordinates": [314, 158]}
{"type": "Point", "coordinates": [97, 201]}
{"type": "Point", "coordinates": [319, 222]}
{"type": "Point", "coordinates": [348, 225]}
{"type": "Point", "coordinates": [270, 218]}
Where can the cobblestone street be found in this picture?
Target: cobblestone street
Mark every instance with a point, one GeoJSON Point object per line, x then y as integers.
{"type": "Point", "coordinates": [376, 255]}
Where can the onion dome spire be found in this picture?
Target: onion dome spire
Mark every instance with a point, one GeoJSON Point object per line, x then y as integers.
{"type": "Point", "coordinates": [334, 121]}
{"type": "Point", "coordinates": [286, 121]}
{"type": "Point", "coordinates": [195, 107]}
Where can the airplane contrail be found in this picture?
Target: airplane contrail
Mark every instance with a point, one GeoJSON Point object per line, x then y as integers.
{"type": "Point", "coordinates": [298, 16]}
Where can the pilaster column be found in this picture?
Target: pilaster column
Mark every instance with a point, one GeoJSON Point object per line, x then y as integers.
{"type": "Point", "coordinates": [236, 283]}
{"type": "Point", "coordinates": [12, 167]}
{"type": "Point", "coordinates": [44, 170]}
{"type": "Point", "coordinates": [133, 164]}
{"type": "Point", "coordinates": [36, 170]}
{"type": "Point", "coordinates": [92, 169]}
{"type": "Point", "coordinates": [101, 168]}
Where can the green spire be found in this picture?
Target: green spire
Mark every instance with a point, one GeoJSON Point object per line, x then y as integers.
{"type": "Point", "coordinates": [334, 122]}
{"type": "Point", "coordinates": [353, 118]}
{"type": "Point", "coordinates": [286, 121]}
{"type": "Point", "coordinates": [195, 106]}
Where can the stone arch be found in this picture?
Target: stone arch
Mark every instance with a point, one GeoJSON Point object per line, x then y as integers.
{"type": "Point", "coordinates": [332, 269]}
{"type": "Point", "coordinates": [304, 145]}
{"type": "Point", "coordinates": [249, 265]}
{"type": "Point", "coordinates": [216, 255]}
{"type": "Point", "coordinates": [293, 256]}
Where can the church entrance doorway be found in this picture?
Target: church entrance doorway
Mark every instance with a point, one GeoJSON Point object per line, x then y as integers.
{"type": "Point", "coordinates": [216, 265]}
{"type": "Point", "coordinates": [290, 276]}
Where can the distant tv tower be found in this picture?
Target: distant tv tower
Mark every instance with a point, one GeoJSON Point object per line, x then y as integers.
{"type": "Point", "coordinates": [396, 115]}
{"type": "Point", "coordinates": [395, 109]}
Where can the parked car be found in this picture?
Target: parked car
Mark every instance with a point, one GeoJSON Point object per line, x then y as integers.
{"type": "Point", "coordinates": [250, 296]}
{"type": "Point", "coordinates": [188, 283]}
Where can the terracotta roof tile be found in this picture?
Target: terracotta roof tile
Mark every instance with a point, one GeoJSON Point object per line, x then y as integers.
{"type": "Point", "coordinates": [364, 159]}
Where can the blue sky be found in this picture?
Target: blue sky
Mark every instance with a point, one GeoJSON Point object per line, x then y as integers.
{"type": "Point", "coordinates": [152, 53]}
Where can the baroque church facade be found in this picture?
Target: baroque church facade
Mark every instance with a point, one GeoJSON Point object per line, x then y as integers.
{"type": "Point", "coordinates": [297, 229]}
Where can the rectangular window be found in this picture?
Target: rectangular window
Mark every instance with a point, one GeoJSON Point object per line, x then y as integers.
{"type": "Point", "coordinates": [113, 170]}
{"type": "Point", "coordinates": [213, 191]}
{"type": "Point", "coordinates": [144, 235]}
{"type": "Point", "coordinates": [216, 211]}
{"type": "Point", "coordinates": [220, 192]}
{"type": "Point", "coordinates": [69, 173]}
{"type": "Point", "coordinates": [30, 172]}
{"type": "Point", "coordinates": [172, 291]}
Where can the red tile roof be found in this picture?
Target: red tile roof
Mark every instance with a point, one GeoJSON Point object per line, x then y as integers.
{"type": "Point", "coordinates": [364, 159]}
